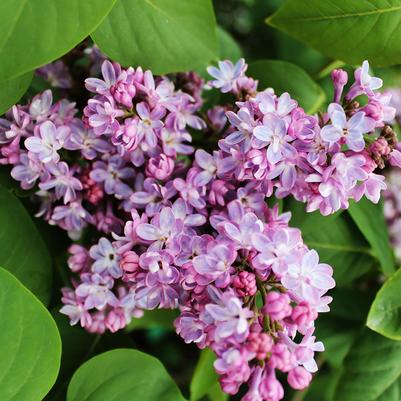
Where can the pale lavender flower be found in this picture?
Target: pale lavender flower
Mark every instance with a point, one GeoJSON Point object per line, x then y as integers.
{"type": "Point", "coordinates": [106, 259]}
{"type": "Point", "coordinates": [111, 174]}
{"type": "Point", "coordinates": [63, 182]}
{"type": "Point", "coordinates": [230, 316]}
{"type": "Point", "coordinates": [216, 265]}
{"type": "Point", "coordinates": [47, 142]}
{"type": "Point", "coordinates": [273, 133]}
{"type": "Point", "coordinates": [351, 130]}
{"type": "Point", "coordinates": [309, 278]}
{"type": "Point", "coordinates": [227, 74]}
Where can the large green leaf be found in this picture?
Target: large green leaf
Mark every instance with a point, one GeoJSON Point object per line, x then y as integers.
{"type": "Point", "coordinates": [370, 220]}
{"type": "Point", "coordinates": [286, 77]}
{"type": "Point", "coordinates": [162, 35]}
{"type": "Point", "coordinates": [204, 380]}
{"type": "Point", "coordinates": [393, 393]}
{"type": "Point", "coordinates": [370, 368]}
{"type": "Point", "coordinates": [385, 312]}
{"type": "Point", "coordinates": [30, 346]}
{"type": "Point", "coordinates": [122, 375]}
{"type": "Point", "coordinates": [22, 249]}
{"type": "Point", "coordinates": [35, 32]}
{"type": "Point", "coordinates": [347, 30]}
{"type": "Point", "coordinates": [336, 239]}
{"type": "Point", "coordinates": [11, 91]}
{"type": "Point", "coordinates": [229, 48]}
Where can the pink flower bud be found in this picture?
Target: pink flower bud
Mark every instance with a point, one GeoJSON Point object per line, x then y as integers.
{"type": "Point", "coordinates": [277, 305]}
{"type": "Point", "coordinates": [245, 284]}
{"type": "Point", "coordinates": [260, 344]}
{"type": "Point", "coordinates": [270, 388]}
{"type": "Point", "coordinates": [303, 314]}
{"type": "Point", "coordinates": [115, 320]}
{"type": "Point", "coordinates": [281, 358]}
{"type": "Point", "coordinates": [160, 167]}
{"type": "Point", "coordinates": [123, 92]}
{"type": "Point", "coordinates": [130, 264]}
{"type": "Point", "coordinates": [299, 378]}
{"type": "Point", "coordinates": [79, 257]}
{"type": "Point", "coordinates": [340, 79]}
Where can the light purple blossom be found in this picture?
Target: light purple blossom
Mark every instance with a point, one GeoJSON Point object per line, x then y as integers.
{"type": "Point", "coordinates": [47, 142]}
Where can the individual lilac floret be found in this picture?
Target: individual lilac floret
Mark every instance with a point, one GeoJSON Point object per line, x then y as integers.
{"type": "Point", "coordinates": [351, 130]}
{"type": "Point", "coordinates": [227, 74]}
{"type": "Point", "coordinates": [48, 141]}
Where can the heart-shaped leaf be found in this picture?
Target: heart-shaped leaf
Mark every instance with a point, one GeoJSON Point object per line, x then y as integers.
{"type": "Point", "coordinates": [30, 345]}
{"type": "Point", "coordinates": [161, 35]}
{"type": "Point", "coordinates": [123, 374]}
{"type": "Point", "coordinates": [346, 30]}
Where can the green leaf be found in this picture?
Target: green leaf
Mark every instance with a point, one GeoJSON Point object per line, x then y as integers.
{"type": "Point", "coordinates": [157, 318]}
{"type": "Point", "coordinates": [229, 48]}
{"type": "Point", "coordinates": [30, 346]}
{"type": "Point", "coordinates": [322, 386]}
{"type": "Point", "coordinates": [286, 77]}
{"type": "Point", "coordinates": [123, 375]}
{"type": "Point", "coordinates": [162, 35]}
{"type": "Point", "coordinates": [35, 32]}
{"type": "Point", "coordinates": [11, 91]}
{"type": "Point", "coordinates": [370, 220]}
{"type": "Point", "coordinates": [370, 368]}
{"type": "Point", "coordinates": [22, 249]}
{"type": "Point", "coordinates": [338, 336]}
{"type": "Point", "coordinates": [385, 313]}
{"type": "Point", "coordinates": [337, 240]}
{"type": "Point", "coordinates": [347, 30]}
{"type": "Point", "coordinates": [393, 393]}
{"type": "Point", "coordinates": [204, 380]}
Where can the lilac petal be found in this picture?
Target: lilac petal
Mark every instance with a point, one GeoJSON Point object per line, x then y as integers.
{"type": "Point", "coordinates": [330, 133]}
{"type": "Point", "coordinates": [148, 232]}
{"type": "Point", "coordinates": [108, 73]}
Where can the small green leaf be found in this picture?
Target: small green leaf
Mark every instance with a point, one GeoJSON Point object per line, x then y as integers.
{"type": "Point", "coordinates": [286, 77]}
{"type": "Point", "coordinates": [346, 30]}
{"type": "Point", "coordinates": [204, 378]}
{"type": "Point", "coordinates": [385, 313]}
{"type": "Point", "coordinates": [370, 220]}
{"type": "Point", "coordinates": [35, 32]}
{"type": "Point", "coordinates": [11, 91]}
{"type": "Point", "coordinates": [370, 368]}
{"type": "Point", "coordinates": [229, 48]}
{"type": "Point", "coordinates": [30, 345]}
{"type": "Point", "coordinates": [162, 35]}
{"type": "Point", "coordinates": [122, 375]}
{"type": "Point", "coordinates": [157, 318]}
{"type": "Point", "coordinates": [22, 249]}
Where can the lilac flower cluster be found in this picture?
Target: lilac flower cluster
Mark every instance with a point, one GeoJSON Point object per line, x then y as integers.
{"type": "Point", "coordinates": [87, 175]}
{"type": "Point", "coordinates": [324, 161]}
{"type": "Point", "coordinates": [187, 229]}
